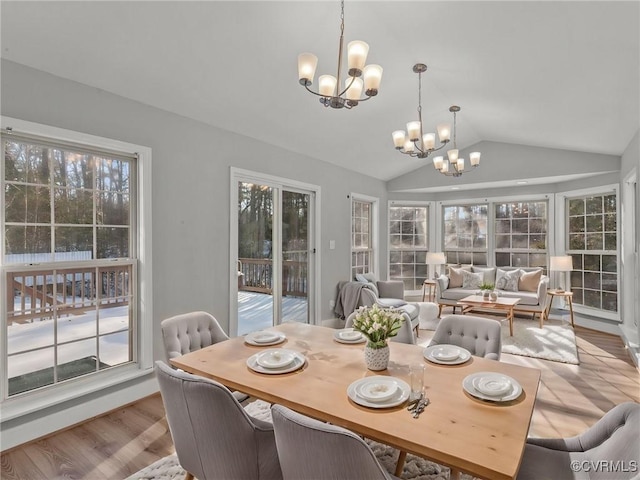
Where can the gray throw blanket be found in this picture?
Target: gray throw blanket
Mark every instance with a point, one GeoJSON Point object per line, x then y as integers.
{"type": "Point", "coordinates": [348, 298]}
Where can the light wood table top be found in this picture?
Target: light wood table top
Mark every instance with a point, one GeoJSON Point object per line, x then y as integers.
{"type": "Point", "coordinates": [484, 439]}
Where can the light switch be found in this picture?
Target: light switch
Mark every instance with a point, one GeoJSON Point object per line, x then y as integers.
{"type": "Point", "coordinates": [332, 244]}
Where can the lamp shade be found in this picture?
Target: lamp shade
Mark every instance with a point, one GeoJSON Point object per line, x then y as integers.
{"type": "Point", "coordinates": [435, 258]}
{"type": "Point", "coordinates": [562, 263]}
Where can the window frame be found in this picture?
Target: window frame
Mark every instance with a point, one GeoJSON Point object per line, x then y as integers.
{"type": "Point", "coordinates": [373, 233]}
{"type": "Point", "coordinates": [142, 341]}
{"type": "Point", "coordinates": [562, 238]}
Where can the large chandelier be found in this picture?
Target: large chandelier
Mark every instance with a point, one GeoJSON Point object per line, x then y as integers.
{"type": "Point", "coordinates": [415, 143]}
{"type": "Point", "coordinates": [329, 86]}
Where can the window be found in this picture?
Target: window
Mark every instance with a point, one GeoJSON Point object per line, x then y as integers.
{"type": "Point", "coordinates": [465, 233]}
{"type": "Point", "coordinates": [362, 235]}
{"type": "Point", "coordinates": [71, 260]}
{"type": "Point", "coordinates": [521, 234]}
{"type": "Point", "coordinates": [408, 243]}
{"type": "Point", "coordinates": [592, 243]}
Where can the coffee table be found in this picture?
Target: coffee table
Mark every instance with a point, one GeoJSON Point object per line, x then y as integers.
{"type": "Point", "coordinates": [477, 302]}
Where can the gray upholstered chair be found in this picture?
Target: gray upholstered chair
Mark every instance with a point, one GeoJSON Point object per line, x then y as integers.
{"type": "Point", "coordinates": [404, 335]}
{"type": "Point", "coordinates": [192, 331]}
{"type": "Point", "coordinates": [614, 440]}
{"type": "Point", "coordinates": [481, 336]}
{"type": "Point", "coordinates": [213, 435]}
{"type": "Point", "coordinates": [310, 449]}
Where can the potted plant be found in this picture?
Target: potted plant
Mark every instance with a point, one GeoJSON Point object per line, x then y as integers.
{"type": "Point", "coordinates": [377, 324]}
{"type": "Point", "coordinates": [486, 289]}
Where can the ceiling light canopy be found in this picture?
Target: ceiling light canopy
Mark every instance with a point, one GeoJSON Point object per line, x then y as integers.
{"type": "Point", "coordinates": [415, 143]}
{"type": "Point", "coordinates": [329, 87]}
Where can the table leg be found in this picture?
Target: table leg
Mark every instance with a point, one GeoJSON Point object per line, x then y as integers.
{"type": "Point", "coordinates": [454, 474]}
{"type": "Point", "coordinates": [571, 309]}
{"type": "Point", "coordinates": [424, 290]}
{"type": "Point", "coordinates": [510, 317]}
{"type": "Point", "coordinates": [548, 310]}
{"type": "Point", "coordinates": [400, 464]}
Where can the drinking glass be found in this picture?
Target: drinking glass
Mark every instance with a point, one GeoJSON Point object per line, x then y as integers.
{"type": "Point", "coordinates": [416, 373]}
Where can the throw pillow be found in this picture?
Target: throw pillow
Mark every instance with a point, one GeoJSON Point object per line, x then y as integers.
{"type": "Point", "coordinates": [489, 273]}
{"type": "Point", "coordinates": [509, 281]}
{"type": "Point", "coordinates": [455, 277]}
{"type": "Point", "coordinates": [529, 281]}
{"type": "Point", "coordinates": [361, 278]}
{"type": "Point", "coordinates": [472, 280]}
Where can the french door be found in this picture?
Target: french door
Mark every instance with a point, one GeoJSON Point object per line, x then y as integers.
{"type": "Point", "coordinates": [273, 252]}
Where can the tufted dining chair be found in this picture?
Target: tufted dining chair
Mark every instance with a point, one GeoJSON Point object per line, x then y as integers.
{"type": "Point", "coordinates": [213, 435]}
{"type": "Point", "coordinates": [481, 336]}
{"type": "Point", "coordinates": [610, 449]}
{"type": "Point", "coordinates": [404, 335]}
{"type": "Point", "coordinates": [311, 449]}
{"type": "Point", "coordinates": [192, 331]}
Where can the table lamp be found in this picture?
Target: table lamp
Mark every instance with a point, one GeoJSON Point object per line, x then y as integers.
{"type": "Point", "coordinates": [562, 263]}
{"type": "Point", "coordinates": [435, 258]}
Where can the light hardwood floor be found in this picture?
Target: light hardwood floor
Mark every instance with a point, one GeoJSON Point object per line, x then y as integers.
{"type": "Point", "coordinates": [116, 445]}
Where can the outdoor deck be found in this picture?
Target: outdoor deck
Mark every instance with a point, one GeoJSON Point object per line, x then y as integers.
{"type": "Point", "coordinates": [255, 311]}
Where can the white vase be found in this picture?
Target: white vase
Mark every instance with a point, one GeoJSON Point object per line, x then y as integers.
{"type": "Point", "coordinates": [376, 359]}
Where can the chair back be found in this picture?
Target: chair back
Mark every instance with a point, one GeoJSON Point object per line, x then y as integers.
{"type": "Point", "coordinates": [213, 435]}
{"type": "Point", "coordinates": [310, 449]}
{"type": "Point", "coordinates": [404, 335]}
{"type": "Point", "coordinates": [189, 332]}
{"type": "Point", "coordinates": [481, 336]}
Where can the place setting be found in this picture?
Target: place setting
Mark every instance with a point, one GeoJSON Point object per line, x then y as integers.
{"type": "Point", "coordinates": [264, 338]}
{"type": "Point", "coordinates": [349, 336]}
{"type": "Point", "coordinates": [492, 387]}
{"type": "Point", "coordinates": [446, 354]}
{"type": "Point", "coordinates": [275, 361]}
{"type": "Point", "coordinates": [379, 391]}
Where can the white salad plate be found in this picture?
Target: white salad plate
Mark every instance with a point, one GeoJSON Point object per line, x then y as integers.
{"type": "Point", "coordinates": [492, 386]}
{"type": "Point", "coordinates": [297, 362]}
{"type": "Point", "coordinates": [264, 338]}
{"type": "Point", "coordinates": [367, 385]}
{"type": "Point", "coordinates": [275, 358]}
{"type": "Point", "coordinates": [349, 335]}
{"type": "Point", "coordinates": [379, 390]}
{"type": "Point", "coordinates": [446, 354]}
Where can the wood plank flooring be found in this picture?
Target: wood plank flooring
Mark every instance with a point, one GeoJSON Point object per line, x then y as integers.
{"type": "Point", "coordinates": [116, 445]}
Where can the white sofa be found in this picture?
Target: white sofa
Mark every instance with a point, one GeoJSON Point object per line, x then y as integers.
{"type": "Point", "coordinates": [531, 287]}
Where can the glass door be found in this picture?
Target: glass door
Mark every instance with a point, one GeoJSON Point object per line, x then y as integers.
{"type": "Point", "coordinates": [273, 255]}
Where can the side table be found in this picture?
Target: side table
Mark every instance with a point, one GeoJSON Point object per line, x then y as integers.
{"type": "Point", "coordinates": [560, 293]}
{"type": "Point", "coordinates": [431, 284]}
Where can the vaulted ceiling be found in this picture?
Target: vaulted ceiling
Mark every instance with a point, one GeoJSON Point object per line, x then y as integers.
{"type": "Point", "coordinates": [556, 74]}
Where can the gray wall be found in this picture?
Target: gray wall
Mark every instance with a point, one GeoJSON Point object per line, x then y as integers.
{"type": "Point", "coordinates": [191, 162]}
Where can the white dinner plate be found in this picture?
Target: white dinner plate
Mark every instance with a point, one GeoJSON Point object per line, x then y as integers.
{"type": "Point", "coordinates": [446, 352]}
{"type": "Point", "coordinates": [380, 389]}
{"type": "Point", "coordinates": [298, 362]}
{"type": "Point", "coordinates": [514, 391]}
{"type": "Point", "coordinates": [435, 352]}
{"type": "Point", "coordinates": [349, 335]}
{"type": "Point", "coordinates": [400, 395]}
{"type": "Point", "coordinates": [264, 338]}
{"type": "Point", "coordinates": [275, 358]}
{"type": "Point", "coordinates": [492, 385]}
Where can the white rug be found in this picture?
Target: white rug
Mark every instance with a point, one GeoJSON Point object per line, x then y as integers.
{"type": "Point", "coordinates": [415, 468]}
{"type": "Point", "coordinates": [555, 342]}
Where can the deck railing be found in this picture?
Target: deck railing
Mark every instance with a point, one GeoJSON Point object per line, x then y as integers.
{"type": "Point", "coordinates": [257, 276]}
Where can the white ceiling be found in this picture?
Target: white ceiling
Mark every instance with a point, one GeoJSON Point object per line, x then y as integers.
{"type": "Point", "coordinates": [556, 74]}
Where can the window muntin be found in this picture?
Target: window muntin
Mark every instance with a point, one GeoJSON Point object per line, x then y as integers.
{"type": "Point", "coordinates": [592, 244]}
{"type": "Point", "coordinates": [64, 203]}
{"type": "Point", "coordinates": [361, 237]}
{"type": "Point", "coordinates": [408, 245]}
{"type": "Point", "coordinates": [465, 233]}
{"type": "Point", "coordinates": [521, 234]}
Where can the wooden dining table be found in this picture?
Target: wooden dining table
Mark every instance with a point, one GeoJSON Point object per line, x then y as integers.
{"type": "Point", "coordinates": [483, 438]}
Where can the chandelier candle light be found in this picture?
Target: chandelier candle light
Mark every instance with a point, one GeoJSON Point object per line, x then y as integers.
{"type": "Point", "coordinates": [329, 86]}
{"type": "Point", "coordinates": [415, 143]}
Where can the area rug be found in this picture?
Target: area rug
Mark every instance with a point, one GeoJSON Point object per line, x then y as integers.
{"type": "Point", "coordinates": [555, 342]}
{"type": "Point", "coordinates": [415, 468]}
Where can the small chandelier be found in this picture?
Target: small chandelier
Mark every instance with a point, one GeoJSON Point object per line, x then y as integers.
{"type": "Point", "coordinates": [329, 86]}
{"type": "Point", "coordinates": [415, 143]}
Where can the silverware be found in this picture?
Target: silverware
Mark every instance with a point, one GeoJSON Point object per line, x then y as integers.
{"type": "Point", "coordinates": [413, 403]}
{"type": "Point", "coordinates": [420, 406]}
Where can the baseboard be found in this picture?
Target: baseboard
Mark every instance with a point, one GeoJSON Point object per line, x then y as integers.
{"type": "Point", "coordinates": [30, 427]}
{"type": "Point", "coordinates": [632, 343]}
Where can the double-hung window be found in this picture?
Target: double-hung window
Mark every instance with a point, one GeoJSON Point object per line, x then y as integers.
{"type": "Point", "coordinates": [363, 231]}
{"type": "Point", "coordinates": [465, 233]}
{"type": "Point", "coordinates": [408, 245]}
{"type": "Point", "coordinates": [592, 239]}
{"type": "Point", "coordinates": [70, 257]}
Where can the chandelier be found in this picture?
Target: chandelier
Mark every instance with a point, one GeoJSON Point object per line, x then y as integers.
{"type": "Point", "coordinates": [415, 143]}
{"type": "Point", "coordinates": [329, 86]}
